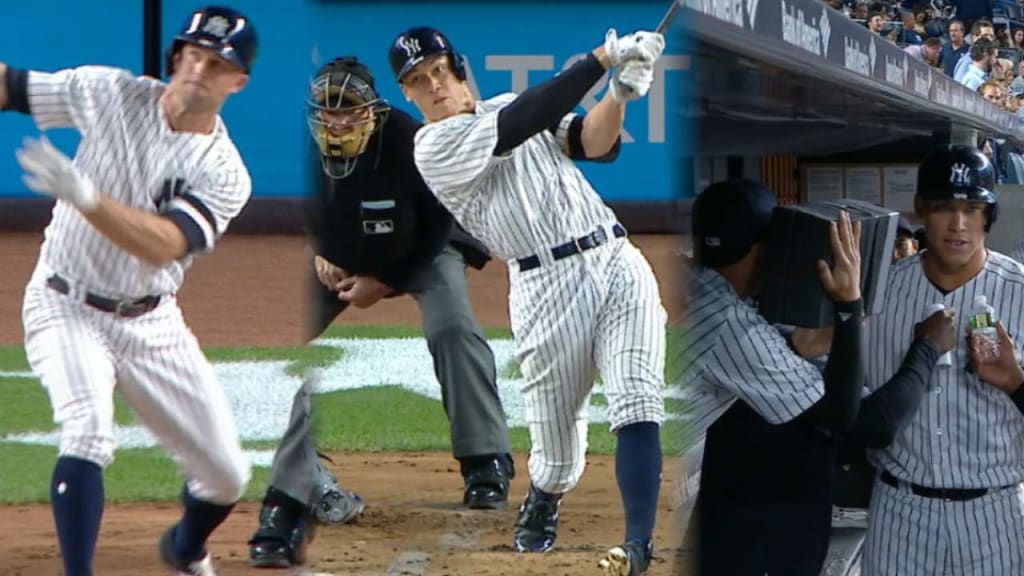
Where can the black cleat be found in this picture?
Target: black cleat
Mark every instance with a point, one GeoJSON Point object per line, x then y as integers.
{"type": "Point", "coordinates": [537, 526]}
{"type": "Point", "coordinates": [486, 482]}
{"type": "Point", "coordinates": [629, 559]}
{"type": "Point", "coordinates": [279, 542]}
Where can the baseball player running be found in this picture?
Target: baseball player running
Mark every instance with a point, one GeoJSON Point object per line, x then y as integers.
{"type": "Point", "coordinates": [154, 183]}
{"type": "Point", "coordinates": [581, 295]}
{"type": "Point", "coordinates": [378, 232]}
{"type": "Point", "coordinates": [948, 498]}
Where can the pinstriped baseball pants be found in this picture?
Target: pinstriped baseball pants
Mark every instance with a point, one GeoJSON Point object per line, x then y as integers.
{"type": "Point", "coordinates": [82, 354]}
{"type": "Point", "coordinates": [909, 535]}
{"type": "Point", "coordinates": [595, 312]}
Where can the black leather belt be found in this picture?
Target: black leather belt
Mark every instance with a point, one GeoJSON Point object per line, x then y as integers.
{"type": "Point", "coordinates": [948, 494]}
{"type": "Point", "coordinates": [581, 244]}
{"type": "Point", "coordinates": [124, 308]}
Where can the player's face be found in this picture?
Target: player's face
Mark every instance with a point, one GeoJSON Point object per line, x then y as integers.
{"type": "Point", "coordinates": [435, 89]}
{"type": "Point", "coordinates": [342, 122]}
{"type": "Point", "coordinates": [955, 231]}
{"type": "Point", "coordinates": [204, 78]}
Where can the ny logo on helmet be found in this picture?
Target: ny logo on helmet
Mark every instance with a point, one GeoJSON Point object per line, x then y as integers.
{"type": "Point", "coordinates": [960, 175]}
{"type": "Point", "coordinates": [410, 45]}
{"type": "Point", "coordinates": [217, 26]}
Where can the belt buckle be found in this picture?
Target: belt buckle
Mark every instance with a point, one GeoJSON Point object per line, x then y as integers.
{"type": "Point", "coordinates": [576, 243]}
{"type": "Point", "coordinates": [128, 309]}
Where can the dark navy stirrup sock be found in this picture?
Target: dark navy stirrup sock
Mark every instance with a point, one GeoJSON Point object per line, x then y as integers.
{"type": "Point", "coordinates": [199, 521]}
{"type": "Point", "coordinates": [638, 471]}
{"type": "Point", "coordinates": [76, 495]}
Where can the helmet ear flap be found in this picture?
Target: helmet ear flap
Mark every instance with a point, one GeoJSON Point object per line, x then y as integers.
{"type": "Point", "coordinates": [992, 215]}
{"type": "Point", "coordinates": [459, 65]}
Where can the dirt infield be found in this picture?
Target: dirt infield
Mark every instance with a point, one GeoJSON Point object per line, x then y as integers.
{"type": "Point", "coordinates": [248, 292]}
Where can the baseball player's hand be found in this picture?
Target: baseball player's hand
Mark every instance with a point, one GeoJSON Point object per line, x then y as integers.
{"type": "Point", "coordinates": [329, 274]}
{"type": "Point", "coordinates": [842, 282]}
{"type": "Point", "coordinates": [640, 45]}
{"type": "Point", "coordinates": [1004, 372]}
{"type": "Point", "coordinates": [939, 329]}
{"type": "Point", "coordinates": [362, 291]}
{"type": "Point", "coordinates": [631, 81]}
{"type": "Point", "coordinates": [811, 343]}
{"type": "Point", "coordinates": [49, 172]}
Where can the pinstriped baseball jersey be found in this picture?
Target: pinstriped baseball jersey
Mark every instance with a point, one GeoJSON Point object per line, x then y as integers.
{"type": "Point", "coordinates": [966, 434]}
{"type": "Point", "coordinates": [596, 309]}
{"type": "Point", "coordinates": [132, 155]}
{"type": "Point", "coordinates": [520, 204]}
{"type": "Point", "coordinates": [731, 352]}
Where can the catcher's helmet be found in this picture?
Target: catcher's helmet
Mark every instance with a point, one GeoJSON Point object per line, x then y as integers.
{"type": "Point", "coordinates": [343, 112]}
{"type": "Point", "coordinates": [416, 44]}
{"type": "Point", "coordinates": [958, 172]}
{"type": "Point", "coordinates": [222, 29]}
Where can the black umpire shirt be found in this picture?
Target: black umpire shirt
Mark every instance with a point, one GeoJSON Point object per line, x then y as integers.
{"type": "Point", "coordinates": [382, 220]}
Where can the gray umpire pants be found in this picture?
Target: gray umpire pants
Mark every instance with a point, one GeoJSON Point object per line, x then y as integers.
{"type": "Point", "coordinates": [463, 363]}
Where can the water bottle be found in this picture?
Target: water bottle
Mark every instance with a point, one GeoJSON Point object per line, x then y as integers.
{"type": "Point", "coordinates": [946, 359]}
{"type": "Point", "coordinates": [982, 322]}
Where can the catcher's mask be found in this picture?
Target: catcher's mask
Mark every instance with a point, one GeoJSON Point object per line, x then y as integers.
{"type": "Point", "coordinates": [344, 111]}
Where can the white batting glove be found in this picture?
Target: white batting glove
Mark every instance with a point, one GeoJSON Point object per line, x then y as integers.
{"type": "Point", "coordinates": [631, 81]}
{"type": "Point", "coordinates": [640, 45]}
{"type": "Point", "coordinates": [49, 172]}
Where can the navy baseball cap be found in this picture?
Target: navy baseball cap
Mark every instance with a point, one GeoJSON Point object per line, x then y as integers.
{"type": "Point", "coordinates": [728, 218]}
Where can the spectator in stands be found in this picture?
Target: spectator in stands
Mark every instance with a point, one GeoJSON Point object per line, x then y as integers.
{"type": "Point", "coordinates": [981, 29]}
{"type": "Point", "coordinates": [992, 91]}
{"type": "Point", "coordinates": [1017, 86]}
{"type": "Point", "coordinates": [876, 22]}
{"type": "Point", "coordinates": [905, 34]}
{"type": "Point", "coordinates": [860, 12]}
{"type": "Point", "coordinates": [983, 55]}
{"type": "Point", "coordinates": [972, 10]}
{"type": "Point", "coordinates": [1017, 39]}
{"type": "Point", "coordinates": [928, 52]}
{"type": "Point", "coordinates": [956, 47]}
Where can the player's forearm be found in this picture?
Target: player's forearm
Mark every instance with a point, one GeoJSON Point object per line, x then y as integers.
{"type": "Point", "coordinates": [844, 374]}
{"type": "Point", "coordinates": [888, 410]}
{"type": "Point", "coordinates": [602, 126]}
{"type": "Point", "coordinates": [146, 235]}
{"type": "Point", "coordinates": [544, 105]}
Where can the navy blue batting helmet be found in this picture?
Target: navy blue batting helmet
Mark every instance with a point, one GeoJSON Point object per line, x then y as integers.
{"type": "Point", "coordinates": [959, 172]}
{"type": "Point", "coordinates": [416, 44]}
{"type": "Point", "coordinates": [224, 30]}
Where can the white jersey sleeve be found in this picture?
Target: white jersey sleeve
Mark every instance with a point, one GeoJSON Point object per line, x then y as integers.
{"type": "Point", "coordinates": [562, 133]}
{"type": "Point", "coordinates": [753, 361]}
{"type": "Point", "coordinates": [453, 154]}
{"type": "Point", "coordinates": [204, 211]}
{"type": "Point", "coordinates": [75, 97]}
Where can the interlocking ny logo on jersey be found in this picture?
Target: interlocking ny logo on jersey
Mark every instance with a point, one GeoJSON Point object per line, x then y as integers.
{"type": "Point", "coordinates": [960, 175]}
{"type": "Point", "coordinates": [410, 45]}
{"type": "Point", "coordinates": [217, 26]}
{"type": "Point", "coordinates": [172, 188]}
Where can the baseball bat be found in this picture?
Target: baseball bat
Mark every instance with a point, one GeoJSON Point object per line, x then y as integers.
{"type": "Point", "coordinates": [667, 18]}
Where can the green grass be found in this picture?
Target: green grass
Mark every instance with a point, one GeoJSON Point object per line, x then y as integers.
{"type": "Point", "coordinates": [301, 358]}
{"type": "Point", "coordinates": [135, 476]}
{"type": "Point", "coordinates": [27, 407]}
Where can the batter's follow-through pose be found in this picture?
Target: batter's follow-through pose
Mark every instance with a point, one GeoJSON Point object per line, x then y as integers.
{"type": "Point", "coordinates": [378, 232]}
{"type": "Point", "coordinates": [155, 181]}
{"type": "Point", "coordinates": [580, 293]}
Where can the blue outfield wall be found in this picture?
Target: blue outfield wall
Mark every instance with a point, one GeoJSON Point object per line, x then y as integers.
{"type": "Point", "coordinates": [508, 46]}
